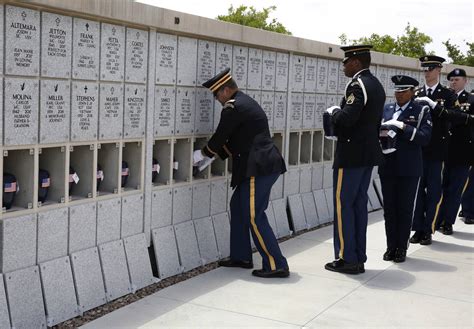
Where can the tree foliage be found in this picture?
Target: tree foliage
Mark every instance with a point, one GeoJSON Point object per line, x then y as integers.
{"type": "Point", "coordinates": [411, 44]}
{"type": "Point", "coordinates": [249, 16]}
{"type": "Point", "coordinates": [457, 56]}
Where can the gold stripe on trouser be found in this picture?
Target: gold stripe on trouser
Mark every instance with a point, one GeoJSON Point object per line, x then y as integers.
{"type": "Point", "coordinates": [254, 226]}
{"type": "Point", "coordinates": [433, 223]}
{"type": "Point", "coordinates": [339, 212]}
{"type": "Point", "coordinates": [467, 181]}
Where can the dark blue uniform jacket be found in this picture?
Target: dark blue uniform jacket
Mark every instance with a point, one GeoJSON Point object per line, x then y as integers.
{"type": "Point", "coordinates": [407, 160]}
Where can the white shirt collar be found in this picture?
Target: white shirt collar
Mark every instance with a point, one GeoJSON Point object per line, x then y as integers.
{"type": "Point", "coordinates": [460, 92]}
{"type": "Point", "coordinates": [358, 73]}
{"type": "Point", "coordinates": [433, 88]}
{"type": "Point", "coordinates": [401, 107]}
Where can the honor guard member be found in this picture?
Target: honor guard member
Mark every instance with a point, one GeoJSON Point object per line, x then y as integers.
{"type": "Point", "coordinates": [460, 153]}
{"type": "Point", "coordinates": [440, 100]}
{"type": "Point", "coordinates": [243, 134]}
{"type": "Point", "coordinates": [401, 171]}
{"type": "Point", "coordinates": [357, 123]}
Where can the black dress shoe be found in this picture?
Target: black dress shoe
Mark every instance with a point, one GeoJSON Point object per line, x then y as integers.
{"type": "Point", "coordinates": [361, 268]}
{"type": "Point", "coordinates": [342, 267]}
{"type": "Point", "coordinates": [235, 263]}
{"type": "Point", "coordinates": [389, 255]}
{"type": "Point", "coordinates": [400, 256]}
{"type": "Point", "coordinates": [426, 239]}
{"type": "Point", "coordinates": [461, 214]}
{"type": "Point", "coordinates": [447, 229]}
{"type": "Point", "coordinates": [278, 273]}
{"type": "Point", "coordinates": [468, 221]}
{"type": "Point", "coordinates": [416, 238]}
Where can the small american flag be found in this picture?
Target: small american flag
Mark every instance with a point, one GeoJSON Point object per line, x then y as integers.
{"type": "Point", "coordinates": [9, 187]}
{"type": "Point", "coordinates": [125, 171]}
{"type": "Point", "coordinates": [45, 182]}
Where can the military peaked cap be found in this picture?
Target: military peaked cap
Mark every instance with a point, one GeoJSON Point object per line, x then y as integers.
{"type": "Point", "coordinates": [355, 50]}
{"type": "Point", "coordinates": [217, 81]}
{"type": "Point", "coordinates": [403, 82]}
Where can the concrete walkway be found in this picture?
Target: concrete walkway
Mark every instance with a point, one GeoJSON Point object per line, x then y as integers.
{"type": "Point", "coordinates": [433, 288]}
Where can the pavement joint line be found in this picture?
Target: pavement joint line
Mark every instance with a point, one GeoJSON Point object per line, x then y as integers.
{"type": "Point", "coordinates": [328, 307]}
{"type": "Point", "coordinates": [243, 313]}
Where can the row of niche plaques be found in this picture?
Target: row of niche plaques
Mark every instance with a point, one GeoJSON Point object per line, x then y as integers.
{"type": "Point", "coordinates": [186, 61]}
{"type": "Point", "coordinates": [193, 111]}
{"type": "Point", "coordinates": [57, 111]}
{"type": "Point", "coordinates": [96, 50]}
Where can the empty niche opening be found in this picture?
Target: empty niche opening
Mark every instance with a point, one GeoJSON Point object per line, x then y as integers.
{"type": "Point", "coordinates": [161, 167]}
{"type": "Point", "coordinates": [199, 143]}
{"type": "Point", "coordinates": [52, 179]}
{"type": "Point", "coordinates": [328, 149]}
{"type": "Point", "coordinates": [218, 167]}
{"type": "Point", "coordinates": [293, 149]}
{"type": "Point", "coordinates": [305, 152]}
{"type": "Point", "coordinates": [182, 160]}
{"type": "Point", "coordinates": [132, 153]}
{"type": "Point", "coordinates": [81, 171]}
{"type": "Point", "coordinates": [107, 168]}
{"type": "Point", "coordinates": [278, 141]}
{"type": "Point", "coordinates": [18, 179]}
{"type": "Point", "coordinates": [317, 146]}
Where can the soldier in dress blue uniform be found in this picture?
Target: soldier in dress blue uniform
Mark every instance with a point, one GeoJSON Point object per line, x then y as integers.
{"type": "Point", "coordinates": [243, 134]}
{"type": "Point", "coordinates": [460, 153]}
{"type": "Point", "coordinates": [441, 101]}
{"type": "Point", "coordinates": [357, 122]}
{"type": "Point", "coordinates": [400, 174]}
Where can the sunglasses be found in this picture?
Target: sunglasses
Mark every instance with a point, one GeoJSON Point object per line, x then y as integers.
{"type": "Point", "coordinates": [429, 68]}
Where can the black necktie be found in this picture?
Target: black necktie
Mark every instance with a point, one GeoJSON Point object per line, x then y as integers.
{"type": "Point", "coordinates": [430, 92]}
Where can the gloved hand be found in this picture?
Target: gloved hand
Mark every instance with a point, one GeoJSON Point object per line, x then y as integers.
{"type": "Point", "coordinates": [395, 123]}
{"type": "Point", "coordinates": [428, 100]}
{"type": "Point", "coordinates": [197, 157]}
{"type": "Point", "coordinates": [332, 108]}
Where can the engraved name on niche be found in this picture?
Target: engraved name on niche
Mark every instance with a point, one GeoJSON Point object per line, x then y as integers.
{"type": "Point", "coordinates": [204, 112]}
{"type": "Point", "coordinates": [56, 46]}
{"type": "Point", "coordinates": [135, 102]}
{"type": "Point", "coordinates": [240, 66]}
{"type": "Point", "coordinates": [22, 41]}
{"type": "Point", "coordinates": [166, 51]}
{"type": "Point", "coordinates": [165, 108]}
{"type": "Point", "coordinates": [224, 57]}
{"type": "Point", "coordinates": [86, 49]}
{"type": "Point", "coordinates": [85, 107]}
{"type": "Point", "coordinates": [112, 52]}
{"type": "Point", "coordinates": [54, 110]}
{"type": "Point", "coordinates": [185, 109]}
{"type": "Point", "coordinates": [137, 52]}
{"type": "Point", "coordinates": [21, 111]}
{"type": "Point", "coordinates": [299, 70]}
{"type": "Point", "coordinates": [111, 111]}
{"type": "Point", "coordinates": [206, 61]}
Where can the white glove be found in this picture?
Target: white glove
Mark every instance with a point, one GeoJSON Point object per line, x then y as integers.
{"type": "Point", "coordinates": [394, 122]}
{"type": "Point", "coordinates": [204, 163]}
{"type": "Point", "coordinates": [430, 102]}
{"type": "Point", "coordinates": [332, 108]}
{"type": "Point", "coordinates": [197, 157]}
